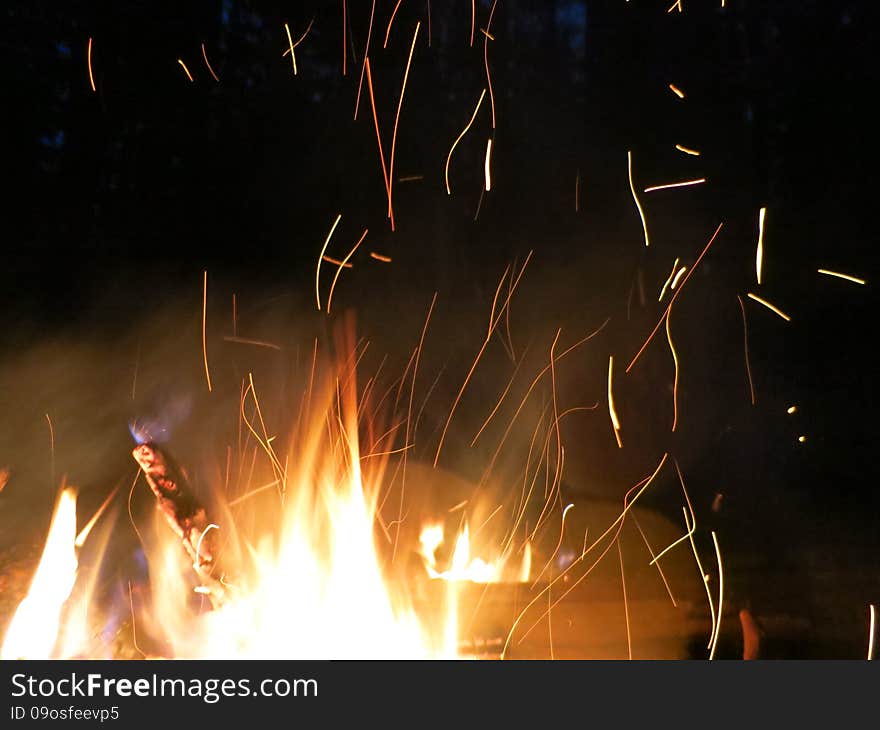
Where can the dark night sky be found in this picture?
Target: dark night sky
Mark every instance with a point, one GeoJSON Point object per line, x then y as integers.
{"type": "Point", "coordinates": [117, 200]}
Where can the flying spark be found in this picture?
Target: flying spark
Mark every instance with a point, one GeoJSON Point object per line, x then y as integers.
{"type": "Point", "coordinates": [625, 602]}
{"type": "Point", "coordinates": [675, 90]}
{"type": "Point", "coordinates": [720, 595]}
{"type": "Point", "coordinates": [204, 328]}
{"type": "Point", "coordinates": [871, 631]}
{"type": "Point", "coordinates": [357, 102]}
{"type": "Point", "coordinates": [847, 277]}
{"type": "Point", "coordinates": [486, 61]}
{"type": "Point", "coordinates": [675, 381]}
{"type": "Point", "coordinates": [379, 139]}
{"type": "Point", "coordinates": [397, 119]}
{"type": "Point", "coordinates": [185, 69]}
{"type": "Point", "coordinates": [290, 43]}
{"type": "Point", "coordinates": [668, 281]}
{"type": "Point", "coordinates": [208, 64]}
{"type": "Point", "coordinates": [248, 341]}
{"type": "Point", "coordinates": [636, 197]}
{"type": "Point", "coordinates": [458, 139]}
{"type": "Point", "coordinates": [759, 254]}
{"type": "Point", "coordinates": [677, 277]}
{"type": "Point", "coordinates": [746, 351]}
{"type": "Point", "coordinates": [320, 259]}
{"type": "Point", "coordinates": [682, 184]}
{"type": "Point", "coordinates": [487, 165]}
{"type": "Point", "coordinates": [390, 21]}
{"type": "Point", "coordinates": [341, 267]}
{"type": "Point", "coordinates": [770, 306]}
{"type": "Point", "coordinates": [669, 306]}
{"type": "Point", "coordinates": [691, 525]}
{"type": "Point", "coordinates": [337, 262]}
{"type": "Point", "coordinates": [300, 39]}
{"type": "Point", "coordinates": [687, 150]}
{"type": "Point", "coordinates": [89, 58]}
{"type": "Point", "coordinates": [611, 410]}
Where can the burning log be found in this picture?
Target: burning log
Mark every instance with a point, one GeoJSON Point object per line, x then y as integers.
{"type": "Point", "coordinates": [184, 514]}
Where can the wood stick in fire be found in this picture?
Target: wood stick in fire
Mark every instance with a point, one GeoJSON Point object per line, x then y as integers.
{"type": "Point", "coordinates": [184, 514]}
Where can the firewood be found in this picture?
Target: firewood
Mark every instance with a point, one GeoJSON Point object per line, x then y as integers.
{"type": "Point", "coordinates": [184, 514]}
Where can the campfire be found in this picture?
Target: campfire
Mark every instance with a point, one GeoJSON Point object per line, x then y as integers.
{"type": "Point", "coordinates": [334, 544]}
{"type": "Point", "coordinates": [311, 584]}
{"type": "Point", "coordinates": [355, 504]}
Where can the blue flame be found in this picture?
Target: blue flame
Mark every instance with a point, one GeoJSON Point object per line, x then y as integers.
{"type": "Point", "coordinates": [158, 428]}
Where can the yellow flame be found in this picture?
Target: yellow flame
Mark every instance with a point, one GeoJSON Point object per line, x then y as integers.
{"type": "Point", "coordinates": [311, 584]}
{"type": "Point", "coordinates": [462, 567]}
{"type": "Point", "coordinates": [34, 628]}
{"type": "Point", "coordinates": [298, 568]}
